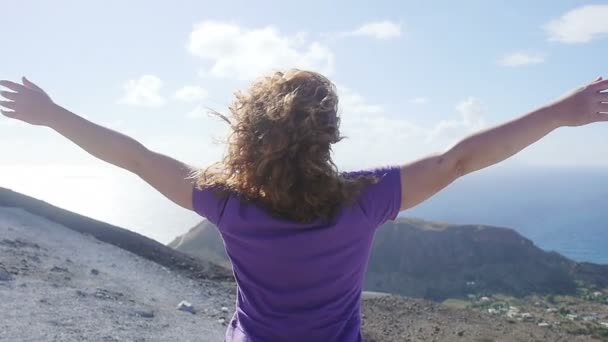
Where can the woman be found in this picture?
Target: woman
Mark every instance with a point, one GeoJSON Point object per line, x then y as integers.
{"type": "Point", "coordinates": [297, 231]}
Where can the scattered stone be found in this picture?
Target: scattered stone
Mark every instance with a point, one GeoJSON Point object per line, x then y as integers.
{"type": "Point", "coordinates": [597, 294]}
{"type": "Point", "coordinates": [23, 285]}
{"type": "Point", "coordinates": [550, 310]}
{"type": "Point", "coordinates": [492, 311]}
{"type": "Point", "coordinates": [589, 318]}
{"type": "Point", "coordinates": [68, 260]}
{"type": "Point", "coordinates": [571, 317]}
{"type": "Point", "coordinates": [35, 258]}
{"type": "Point", "coordinates": [18, 243]}
{"type": "Point", "coordinates": [604, 324]}
{"type": "Point", "coordinates": [59, 269]}
{"type": "Point", "coordinates": [107, 294]}
{"type": "Point", "coordinates": [44, 301]}
{"type": "Point", "coordinates": [224, 309]}
{"type": "Point", "coordinates": [461, 333]}
{"type": "Point", "coordinates": [544, 324]}
{"type": "Point", "coordinates": [145, 313]}
{"type": "Point", "coordinates": [526, 316]}
{"type": "Point", "coordinates": [222, 321]}
{"type": "Point", "coordinates": [94, 271]}
{"type": "Point", "coordinates": [513, 312]}
{"type": "Point", "coordinates": [186, 306]}
{"type": "Point", "coordinates": [81, 293]}
{"type": "Point", "coordinates": [5, 276]}
{"type": "Point", "coordinates": [485, 299]}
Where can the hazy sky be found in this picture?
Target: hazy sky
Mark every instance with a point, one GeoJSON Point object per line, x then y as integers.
{"type": "Point", "coordinates": [414, 76]}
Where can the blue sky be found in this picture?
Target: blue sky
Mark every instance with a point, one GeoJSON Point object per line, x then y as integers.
{"type": "Point", "coordinates": [443, 54]}
{"type": "Point", "coordinates": [413, 76]}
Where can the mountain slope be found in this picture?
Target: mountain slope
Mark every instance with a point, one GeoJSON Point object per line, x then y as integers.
{"type": "Point", "coordinates": [59, 285]}
{"type": "Point", "coordinates": [123, 238]}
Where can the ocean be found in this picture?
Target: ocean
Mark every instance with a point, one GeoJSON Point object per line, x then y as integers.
{"type": "Point", "coordinates": [558, 209]}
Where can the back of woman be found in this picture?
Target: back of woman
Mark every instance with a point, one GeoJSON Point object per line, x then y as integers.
{"type": "Point", "coordinates": [297, 231]}
{"type": "Point", "coordinates": [300, 281]}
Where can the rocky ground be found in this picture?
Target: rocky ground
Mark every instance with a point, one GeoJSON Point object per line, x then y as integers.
{"type": "Point", "coordinates": [60, 285]}
{"type": "Point", "coordinates": [393, 318]}
{"type": "Point", "coordinates": [584, 314]}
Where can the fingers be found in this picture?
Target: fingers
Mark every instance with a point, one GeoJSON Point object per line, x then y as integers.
{"type": "Point", "coordinates": [30, 84]}
{"type": "Point", "coordinates": [12, 85]}
{"type": "Point", "coordinates": [9, 95]}
{"type": "Point", "coordinates": [602, 116]}
{"type": "Point", "coordinates": [600, 85]}
{"type": "Point", "coordinates": [8, 113]}
{"type": "Point", "coordinates": [7, 104]}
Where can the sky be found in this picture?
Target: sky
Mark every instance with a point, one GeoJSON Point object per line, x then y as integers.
{"type": "Point", "coordinates": [413, 76]}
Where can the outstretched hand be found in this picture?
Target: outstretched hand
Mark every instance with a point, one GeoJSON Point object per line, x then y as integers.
{"type": "Point", "coordinates": [26, 102]}
{"type": "Point", "coordinates": [585, 105]}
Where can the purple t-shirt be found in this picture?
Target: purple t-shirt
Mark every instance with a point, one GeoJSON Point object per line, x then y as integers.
{"type": "Point", "coordinates": [300, 282]}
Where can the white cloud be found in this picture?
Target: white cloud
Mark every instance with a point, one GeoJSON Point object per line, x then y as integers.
{"type": "Point", "coordinates": [190, 94]}
{"type": "Point", "coordinates": [371, 129]}
{"type": "Point", "coordinates": [383, 30]}
{"type": "Point", "coordinates": [144, 91]}
{"type": "Point", "coordinates": [580, 25]}
{"type": "Point", "coordinates": [472, 111]}
{"type": "Point", "coordinates": [353, 103]}
{"type": "Point", "coordinates": [472, 119]}
{"type": "Point", "coordinates": [241, 53]}
{"type": "Point", "coordinates": [197, 112]}
{"type": "Point", "coordinates": [419, 100]}
{"type": "Point", "coordinates": [521, 58]}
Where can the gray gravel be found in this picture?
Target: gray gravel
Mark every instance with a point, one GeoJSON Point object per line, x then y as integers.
{"type": "Point", "coordinates": [60, 285]}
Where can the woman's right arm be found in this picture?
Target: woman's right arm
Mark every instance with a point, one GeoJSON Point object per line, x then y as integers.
{"type": "Point", "coordinates": [29, 103]}
{"type": "Point", "coordinates": [422, 179]}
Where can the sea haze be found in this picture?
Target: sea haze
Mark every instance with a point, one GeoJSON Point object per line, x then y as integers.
{"type": "Point", "coordinates": [561, 209]}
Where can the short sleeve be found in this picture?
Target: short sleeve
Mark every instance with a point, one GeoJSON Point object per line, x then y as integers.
{"type": "Point", "coordinates": [381, 201]}
{"type": "Point", "coordinates": [207, 203]}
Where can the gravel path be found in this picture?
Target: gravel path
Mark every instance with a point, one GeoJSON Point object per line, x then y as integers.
{"type": "Point", "coordinates": [60, 285]}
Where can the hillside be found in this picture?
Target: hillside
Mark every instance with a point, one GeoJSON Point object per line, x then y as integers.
{"type": "Point", "coordinates": [57, 284]}
{"type": "Point", "coordinates": [120, 237]}
{"type": "Point", "coordinates": [437, 261]}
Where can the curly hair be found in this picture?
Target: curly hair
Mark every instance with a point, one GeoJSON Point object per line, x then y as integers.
{"type": "Point", "coordinates": [279, 150]}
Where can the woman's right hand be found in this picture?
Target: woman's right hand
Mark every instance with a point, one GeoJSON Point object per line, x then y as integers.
{"type": "Point", "coordinates": [27, 102]}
